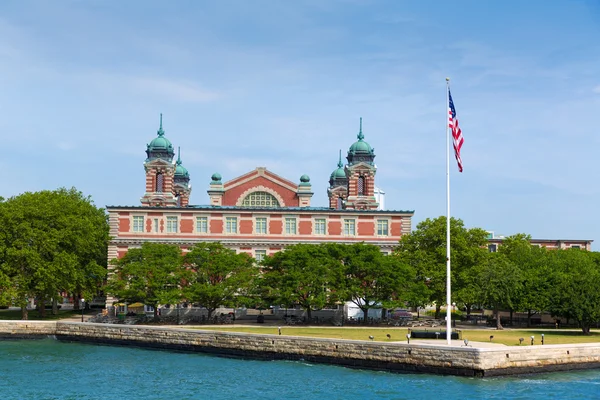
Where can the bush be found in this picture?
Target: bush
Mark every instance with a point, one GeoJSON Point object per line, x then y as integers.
{"type": "Point", "coordinates": [457, 314]}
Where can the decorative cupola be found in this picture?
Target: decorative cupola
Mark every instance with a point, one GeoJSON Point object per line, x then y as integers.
{"type": "Point", "coordinates": [304, 191]}
{"type": "Point", "coordinates": [160, 147]}
{"type": "Point", "coordinates": [160, 172]}
{"type": "Point", "coordinates": [216, 191]}
{"type": "Point", "coordinates": [361, 171]}
{"type": "Point", "coordinates": [181, 182]}
{"type": "Point", "coordinates": [338, 186]}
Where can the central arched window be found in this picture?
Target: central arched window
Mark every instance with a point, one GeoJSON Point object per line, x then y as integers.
{"type": "Point", "coordinates": [260, 199]}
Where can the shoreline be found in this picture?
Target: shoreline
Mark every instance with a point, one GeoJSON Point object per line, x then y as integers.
{"type": "Point", "coordinates": [416, 357]}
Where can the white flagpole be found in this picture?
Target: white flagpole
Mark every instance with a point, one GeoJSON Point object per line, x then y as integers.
{"type": "Point", "coordinates": [448, 293]}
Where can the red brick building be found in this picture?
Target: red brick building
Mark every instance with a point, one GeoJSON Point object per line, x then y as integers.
{"type": "Point", "coordinates": [258, 212]}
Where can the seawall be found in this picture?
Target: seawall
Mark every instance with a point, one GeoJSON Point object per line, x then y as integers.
{"type": "Point", "coordinates": [398, 357]}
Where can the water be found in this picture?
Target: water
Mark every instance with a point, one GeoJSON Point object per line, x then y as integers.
{"type": "Point", "coordinates": [48, 369]}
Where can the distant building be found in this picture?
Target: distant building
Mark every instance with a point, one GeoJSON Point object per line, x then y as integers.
{"type": "Point", "coordinates": [380, 198]}
{"type": "Point", "coordinates": [495, 241]}
{"type": "Point", "coordinates": [258, 212]}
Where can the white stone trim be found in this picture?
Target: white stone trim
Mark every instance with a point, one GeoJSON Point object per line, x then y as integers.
{"type": "Point", "coordinates": [237, 224]}
{"type": "Point", "coordinates": [195, 228]}
{"type": "Point", "coordinates": [266, 218]}
{"type": "Point", "coordinates": [314, 226]}
{"type": "Point", "coordinates": [389, 226]}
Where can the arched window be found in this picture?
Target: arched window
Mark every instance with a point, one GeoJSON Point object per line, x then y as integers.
{"type": "Point", "coordinates": [159, 183]}
{"type": "Point", "coordinates": [361, 186]}
{"type": "Point", "coordinates": [260, 199]}
{"type": "Point", "coordinates": [339, 203]}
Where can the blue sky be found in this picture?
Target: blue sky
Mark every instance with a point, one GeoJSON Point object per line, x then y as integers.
{"type": "Point", "coordinates": [282, 84]}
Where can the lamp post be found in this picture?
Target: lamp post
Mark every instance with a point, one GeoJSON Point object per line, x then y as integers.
{"type": "Point", "coordinates": [82, 308]}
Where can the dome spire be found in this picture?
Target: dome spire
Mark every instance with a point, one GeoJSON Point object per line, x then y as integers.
{"type": "Point", "coordinates": [178, 155]}
{"type": "Point", "coordinates": [340, 165]}
{"type": "Point", "coordinates": [161, 132]}
{"type": "Point", "coordinates": [360, 135]}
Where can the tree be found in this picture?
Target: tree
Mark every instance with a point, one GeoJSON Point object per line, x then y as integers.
{"type": "Point", "coordinates": [575, 288]}
{"type": "Point", "coordinates": [424, 249]}
{"type": "Point", "coordinates": [152, 274]}
{"type": "Point", "coordinates": [52, 242]}
{"type": "Point", "coordinates": [217, 276]}
{"type": "Point", "coordinates": [536, 273]}
{"type": "Point", "coordinates": [303, 274]}
{"type": "Point", "coordinates": [371, 279]}
{"type": "Point", "coordinates": [500, 284]}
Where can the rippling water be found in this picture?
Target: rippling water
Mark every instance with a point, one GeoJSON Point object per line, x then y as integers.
{"type": "Point", "coordinates": [48, 369]}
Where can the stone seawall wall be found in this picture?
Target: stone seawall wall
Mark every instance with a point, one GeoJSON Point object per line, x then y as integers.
{"type": "Point", "coordinates": [468, 361]}
{"type": "Point", "coordinates": [27, 329]}
{"type": "Point", "coordinates": [547, 358]}
{"type": "Point", "coordinates": [359, 354]}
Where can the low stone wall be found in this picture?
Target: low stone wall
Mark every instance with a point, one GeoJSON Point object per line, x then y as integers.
{"type": "Point", "coordinates": [439, 359]}
{"type": "Point", "coordinates": [358, 354]}
{"type": "Point", "coordinates": [27, 329]}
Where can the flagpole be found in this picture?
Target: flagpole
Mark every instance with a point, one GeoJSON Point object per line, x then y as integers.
{"type": "Point", "coordinates": [448, 309]}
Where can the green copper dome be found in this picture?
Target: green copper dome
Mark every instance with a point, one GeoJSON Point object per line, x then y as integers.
{"type": "Point", "coordinates": [182, 175]}
{"type": "Point", "coordinates": [180, 170]}
{"type": "Point", "coordinates": [360, 146]}
{"type": "Point", "coordinates": [361, 151]}
{"type": "Point", "coordinates": [160, 147]}
{"type": "Point", "coordinates": [304, 180]}
{"type": "Point", "coordinates": [338, 176]}
{"type": "Point", "coordinates": [339, 172]}
{"type": "Point", "coordinates": [216, 178]}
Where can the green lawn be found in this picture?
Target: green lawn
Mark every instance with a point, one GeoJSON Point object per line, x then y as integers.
{"type": "Point", "coordinates": [35, 316]}
{"type": "Point", "coordinates": [508, 337]}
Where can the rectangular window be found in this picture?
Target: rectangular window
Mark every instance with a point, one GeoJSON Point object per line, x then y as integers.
{"type": "Point", "coordinates": [138, 223]}
{"type": "Point", "coordinates": [171, 224]}
{"type": "Point", "coordinates": [231, 225]}
{"type": "Point", "coordinates": [260, 255]}
{"type": "Point", "coordinates": [261, 226]}
{"type": "Point", "coordinates": [349, 227]}
{"type": "Point", "coordinates": [156, 225]}
{"type": "Point", "coordinates": [382, 227]}
{"type": "Point", "coordinates": [290, 226]}
{"type": "Point", "coordinates": [202, 224]}
{"type": "Point", "coordinates": [492, 248]}
{"type": "Point", "coordinates": [320, 227]}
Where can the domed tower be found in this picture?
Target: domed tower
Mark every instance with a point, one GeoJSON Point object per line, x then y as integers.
{"type": "Point", "coordinates": [361, 171]}
{"type": "Point", "coordinates": [304, 191]}
{"type": "Point", "coordinates": [181, 183]}
{"type": "Point", "coordinates": [338, 186]}
{"type": "Point", "coordinates": [159, 172]}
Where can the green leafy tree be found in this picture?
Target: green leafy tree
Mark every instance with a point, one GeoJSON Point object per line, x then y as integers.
{"type": "Point", "coordinates": [217, 276]}
{"type": "Point", "coordinates": [536, 273]}
{"type": "Point", "coordinates": [52, 242]}
{"type": "Point", "coordinates": [373, 280]}
{"type": "Point", "coordinates": [500, 284]}
{"type": "Point", "coordinates": [303, 274]}
{"type": "Point", "coordinates": [424, 249]}
{"type": "Point", "coordinates": [575, 287]}
{"type": "Point", "coordinates": [152, 274]}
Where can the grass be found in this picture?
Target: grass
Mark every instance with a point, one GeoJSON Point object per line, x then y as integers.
{"type": "Point", "coordinates": [507, 337]}
{"type": "Point", "coordinates": [35, 316]}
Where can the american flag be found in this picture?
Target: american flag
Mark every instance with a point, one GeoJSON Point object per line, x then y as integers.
{"type": "Point", "coordinates": [457, 136]}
